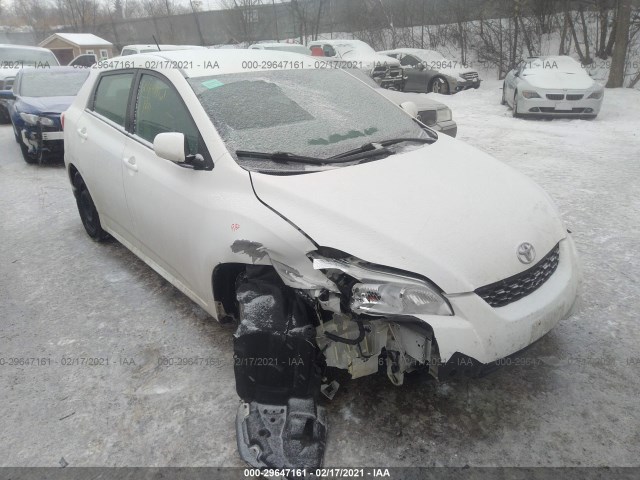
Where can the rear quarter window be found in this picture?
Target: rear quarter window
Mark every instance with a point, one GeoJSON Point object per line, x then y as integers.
{"type": "Point", "coordinates": [112, 96]}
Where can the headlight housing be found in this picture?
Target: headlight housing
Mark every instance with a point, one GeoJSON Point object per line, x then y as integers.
{"type": "Point", "coordinates": [32, 119]}
{"type": "Point", "coordinates": [597, 95]}
{"type": "Point", "coordinates": [379, 291]}
{"type": "Point", "coordinates": [530, 94]}
{"type": "Point", "coordinates": [397, 299]}
{"type": "Point", "coordinates": [444, 114]}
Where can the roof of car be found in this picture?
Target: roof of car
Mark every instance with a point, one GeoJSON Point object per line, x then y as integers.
{"type": "Point", "coordinates": [164, 46]}
{"type": "Point", "coordinates": [336, 42]}
{"type": "Point", "coordinates": [209, 62]}
{"type": "Point", "coordinates": [26, 47]}
{"type": "Point", "coordinates": [415, 51]}
{"type": "Point", "coordinates": [277, 44]}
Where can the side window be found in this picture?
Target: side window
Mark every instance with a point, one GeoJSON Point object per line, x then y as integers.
{"type": "Point", "coordinates": [112, 95]}
{"type": "Point", "coordinates": [160, 109]}
{"type": "Point", "coordinates": [329, 51]}
{"type": "Point", "coordinates": [127, 51]}
{"type": "Point", "coordinates": [409, 61]}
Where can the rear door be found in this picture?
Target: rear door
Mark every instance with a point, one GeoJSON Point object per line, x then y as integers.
{"type": "Point", "coordinates": [100, 138]}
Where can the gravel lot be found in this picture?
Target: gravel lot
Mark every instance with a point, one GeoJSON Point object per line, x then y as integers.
{"type": "Point", "coordinates": [571, 400]}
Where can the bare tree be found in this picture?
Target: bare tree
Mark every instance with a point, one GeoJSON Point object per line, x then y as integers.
{"type": "Point", "coordinates": [623, 23]}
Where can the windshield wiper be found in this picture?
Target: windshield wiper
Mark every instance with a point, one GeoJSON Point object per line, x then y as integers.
{"type": "Point", "coordinates": [282, 157]}
{"type": "Point", "coordinates": [377, 148]}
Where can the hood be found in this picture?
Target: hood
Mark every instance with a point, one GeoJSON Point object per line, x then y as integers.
{"type": "Point", "coordinates": [445, 211]}
{"type": "Point", "coordinates": [455, 72]}
{"type": "Point", "coordinates": [371, 59]}
{"type": "Point", "coordinates": [556, 80]}
{"type": "Point", "coordinates": [48, 104]}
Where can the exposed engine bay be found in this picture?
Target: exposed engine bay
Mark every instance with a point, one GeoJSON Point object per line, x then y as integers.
{"type": "Point", "coordinates": [288, 338]}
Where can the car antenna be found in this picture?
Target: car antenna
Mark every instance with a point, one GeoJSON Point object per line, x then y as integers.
{"type": "Point", "coordinates": [154, 39]}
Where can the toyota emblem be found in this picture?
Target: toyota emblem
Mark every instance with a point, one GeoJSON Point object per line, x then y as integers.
{"type": "Point", "coordinates": [526, 253]}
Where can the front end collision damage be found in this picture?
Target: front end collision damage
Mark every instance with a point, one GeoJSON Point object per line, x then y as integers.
{"type": "Point", "coordinates": [294, 322]}
{"type": "Point", "coordinates": [313, 315]}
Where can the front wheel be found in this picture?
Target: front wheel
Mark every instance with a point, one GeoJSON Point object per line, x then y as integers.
{"type": "Point", "coordinates": [439, 85]}
{"type": "Point", "coordinates": [88, 212]}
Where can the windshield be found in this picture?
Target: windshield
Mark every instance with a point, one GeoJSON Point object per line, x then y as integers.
{"type": "Point", "coordinates": [290, 48]}
{"type": "Point", "coordinates": [26, 57]}
{"type": "Point", "coordinates": [430, 56]}
{"type": "Point", "coordinates": [311, 113]}
{"type": "Point", "coordinates": [553, 64]}
{"type": "Point", "coordinates": [49, 83]}
{"type": "Point", "coordinates": [354, 47]}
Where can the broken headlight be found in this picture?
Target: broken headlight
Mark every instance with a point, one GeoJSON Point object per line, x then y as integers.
{"type": "Point", "coordinates": [397, 299]}
{"type": "Point", "coordinates": [32, 119]}
{"type": "Point", "coordinates": [380, 291]}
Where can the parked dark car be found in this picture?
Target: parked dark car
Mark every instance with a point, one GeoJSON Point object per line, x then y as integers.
{"type": "Point", "coordinates": [429, 71]}
{"type": "Point", "coordinates": [38, 98]}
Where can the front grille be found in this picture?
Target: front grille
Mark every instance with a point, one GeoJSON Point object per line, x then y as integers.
{"type": "Point", "coordinates": [555, 96]}
{"type": "Point", "coordinates": [519, 286]}
{"type": "Point", "coordinates": [395, 72]}
{"type": "Point", "coordinates": [553, 110]}
{"type": "Point", "coordinates": [428, 117]}
{"type": "Point", "coordinates": [469, 75]}
{"type": "Point", "coordinates": [574, 97]}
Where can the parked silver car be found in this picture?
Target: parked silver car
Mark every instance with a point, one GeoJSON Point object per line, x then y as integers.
{"type": "Point", "coordinates": [552, 86]}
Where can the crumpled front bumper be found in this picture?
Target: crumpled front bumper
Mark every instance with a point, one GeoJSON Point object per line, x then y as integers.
{"type": "Point", "coordinates": [487, 334]}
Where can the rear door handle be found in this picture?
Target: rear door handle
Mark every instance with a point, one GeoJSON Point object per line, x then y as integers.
{"type": "Point", "coordinates": [130, 163]}
{"type": "Point", "coordinates": [82, 133]}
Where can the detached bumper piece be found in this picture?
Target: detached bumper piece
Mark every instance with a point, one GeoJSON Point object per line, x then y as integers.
{"type": "Point", "coordinates": [278, 368]}
{"type": "Point", "coordinates": [282, 436]}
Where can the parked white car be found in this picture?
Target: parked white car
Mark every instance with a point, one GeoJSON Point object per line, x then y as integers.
{"type": "Point", "coordinates": [148, 48]}
{"type": "Point", "coordinates": [281, 47]}
{"type": "Point", "coordinates": [552, 86]}
{"type": "Point", "coordinates": [429, 71]}
{"type": "Point", "coordinates": [358, 54]}
{"type": "Point", "coordinates": [335, 236]}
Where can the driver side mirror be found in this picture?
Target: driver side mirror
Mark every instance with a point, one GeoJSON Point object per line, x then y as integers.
{"type": "Point", "coordinates": [7, 94]}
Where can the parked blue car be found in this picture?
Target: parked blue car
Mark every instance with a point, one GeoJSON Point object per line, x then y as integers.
{"type": "Point", "coordinates": [38, 97]}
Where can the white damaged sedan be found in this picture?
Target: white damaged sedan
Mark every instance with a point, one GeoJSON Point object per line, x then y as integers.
{"type": "Point", "coordinates": [354, 238]}
{"type": "Point", "coordinates": [552, 86]}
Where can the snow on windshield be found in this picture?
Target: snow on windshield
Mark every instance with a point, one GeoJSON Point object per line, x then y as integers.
{"type": "Point", "coordinates": [44, 82]}
{"type": "Point", "coordinates": [354, 47]}
{"type": "Point", "coordinates": [316, 113]}
{"type": "Point", "coordinates": [430, 56]}
{"type": "Point", "coordinates": [553, 64]}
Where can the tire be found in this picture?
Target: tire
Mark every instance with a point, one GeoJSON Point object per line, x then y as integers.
{"type": "Point", "coordinates": [15, 133]}
{"type": "Point", "coordinates": [504, 99]}
{"type": "Point", "coordinates": [439, 85]}
{"type": "Point", "coordinates": [87, 210]}
{"type": "Point", "coordinates": [4, 116]}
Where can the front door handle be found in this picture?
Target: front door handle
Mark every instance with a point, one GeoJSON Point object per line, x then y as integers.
{"type": "Point", "coordinates": [82, 133]}
{"type": "Point", "coordinates": [130, 163]}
